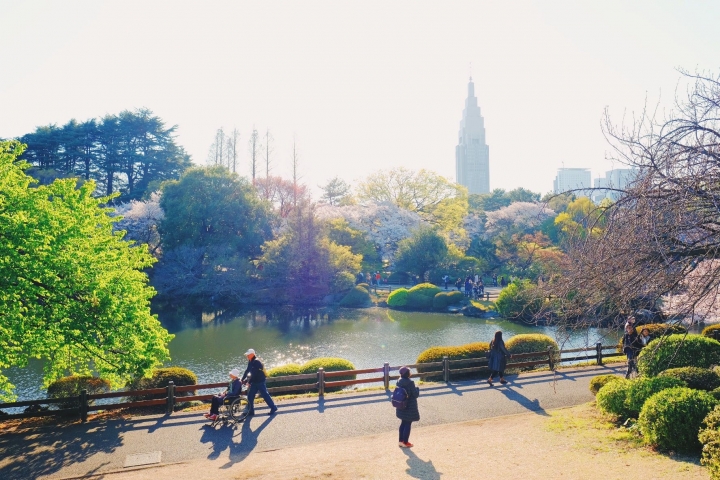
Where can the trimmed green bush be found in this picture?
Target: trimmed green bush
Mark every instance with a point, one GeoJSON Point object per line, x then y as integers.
{"type": "Point", "coordinates": [398, 298]}
{"type": "Point", "coordinates": [709, 437]}
{"type": "Point", "coordinates": [329, 364]}
{"type": "Point", "coordinates": [284, 370]}
{"type": "Point", "coordinates": [364, 285]}
{"type": "Point", "coordinates": [532, 342]}
{"type": "Point", "coordinates": [716, 393]}
{"type": "Point", "coordinates": [645, 387]}
{"type": "Point", "coordinates": [421, 295]}
{"type": "Point", "coordinates": [713, 331]}
{"type": "Point", "coordinates": [612, 398]}
{"type": "Point", "coordinates": [596, 383]}
{"type": "Point", "coordinates": [694, 377]}
{"type": "Point", "coordinates": [436, 354]}
{"type": "Point", "coordinates": [72, 386]}
{"type": "Point", "coordinates": [160, 378]}
{"type": "Point", "coordinates": [357, 297]}
{"type": "Point", "coordinates": [671, 419]}
{"type": "Point", "coordinates": [399, 278]}
{"type": "Point", "coordinates": [342, 281]}
{"type": "Point", "coordinates": [678, 351]}
{"type": "Point", "coordinates": [444, 299]}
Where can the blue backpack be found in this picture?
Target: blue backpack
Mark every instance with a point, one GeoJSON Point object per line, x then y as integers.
{"type": "Point", "coordinates": [399, 398]}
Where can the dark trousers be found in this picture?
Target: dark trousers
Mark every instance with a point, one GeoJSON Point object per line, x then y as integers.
{"type": "Point", "coordinates": [261, 388]}
{"type": "Point", "coordinates": [405, 430]}
{"type": "Point", "coordinates": [500, 373]}
{"type": "Point", "coordinates": [632, 365]}
{"type": "Point", "coordinates": [216, 401]}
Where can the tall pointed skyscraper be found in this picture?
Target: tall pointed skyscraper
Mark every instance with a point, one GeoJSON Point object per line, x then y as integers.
{"type": "Point", "coordinates": [472, 154]}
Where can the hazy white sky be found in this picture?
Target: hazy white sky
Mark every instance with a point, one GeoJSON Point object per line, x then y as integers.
{"type": "Point", "coordinates": [361, 86]}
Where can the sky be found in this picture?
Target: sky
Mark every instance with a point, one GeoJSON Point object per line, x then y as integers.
{"type": "Point", "coordinates": [360, 86]}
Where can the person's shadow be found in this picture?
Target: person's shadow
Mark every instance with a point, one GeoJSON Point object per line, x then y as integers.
{"type": "Point", "coordinates": [248, 441]}
{"type": "Point", "coordinates": [418, 468]}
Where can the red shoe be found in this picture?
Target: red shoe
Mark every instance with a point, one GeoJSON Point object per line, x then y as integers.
{"type": "Point", "coordinates": [408, 445]}
{"type": "Point", "coordinates": [207, 415]}
{"type": "Point", "coordinates": [212, 417]}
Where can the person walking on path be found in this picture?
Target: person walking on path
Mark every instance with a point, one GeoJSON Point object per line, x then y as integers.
{"type": "Point", "coordinates": [631, 346]}
{"type": "Point", "coordinates": [255, 376]}
{"type": "Point", "coordinates": [410, 413]}
{"type": "Point", "coordinates": [233, 390]}
{"type": "Point", "coordinates": [498, 356]}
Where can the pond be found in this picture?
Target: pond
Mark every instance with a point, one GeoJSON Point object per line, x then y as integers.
{"type": "Point", "coordinates": [212, 342]}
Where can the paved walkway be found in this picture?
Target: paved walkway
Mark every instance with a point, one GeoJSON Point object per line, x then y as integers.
{"type": "Point", "coordinates": [103, 446]}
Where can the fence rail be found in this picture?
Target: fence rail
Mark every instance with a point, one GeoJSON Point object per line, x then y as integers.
{"type": "Point", "coordinates": [323, 380]}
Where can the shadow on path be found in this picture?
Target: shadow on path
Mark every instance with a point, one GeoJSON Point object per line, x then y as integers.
{"type": "Point", "coordinates": [418, 468]}
{"type": "Point", "coordinates": [227, 438]}
{"type": "Point", "coordinates": [511, 392]}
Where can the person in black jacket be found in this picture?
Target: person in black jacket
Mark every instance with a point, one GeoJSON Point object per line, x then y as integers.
{"type": "Point", "coordinates": [233, 390]}
{"type": "Point", "coordinates": [410, 413]}
{"type": "Point", "coordinates": [631, 347]}
{"type": "Point", "coordinates": [255, 376]}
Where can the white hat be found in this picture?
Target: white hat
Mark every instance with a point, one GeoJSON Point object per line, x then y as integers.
{"type": "Point", "coordinates": [250, 352]}
{"type": "Point", "coordinates": [235, 372]}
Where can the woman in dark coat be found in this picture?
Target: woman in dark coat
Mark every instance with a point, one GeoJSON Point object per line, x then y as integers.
{"type": "Point", "coordinates": [631, 346]}
{"type": "Point", "coordinates": [498, 356]}
{"type": "Point", "coordinates": [410, 413]}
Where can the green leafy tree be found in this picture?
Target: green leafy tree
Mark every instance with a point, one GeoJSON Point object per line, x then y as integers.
{"type": "Point", "coordinates": [72, 292]}
{"type": "Point", "coordinates": [336, 192]}
{"type": "Point", "coordinates": [341, 233]}
{"type": "Point", "coordinates": [424, 250]}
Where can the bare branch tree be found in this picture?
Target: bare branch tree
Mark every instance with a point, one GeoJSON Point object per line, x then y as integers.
{"type": "Point", "coordinates": [254, 146]}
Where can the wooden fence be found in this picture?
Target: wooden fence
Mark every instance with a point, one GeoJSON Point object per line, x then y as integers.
{"type": "Point", "coordinates": [320, 382]}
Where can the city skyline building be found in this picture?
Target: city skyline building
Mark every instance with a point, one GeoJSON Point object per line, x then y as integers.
{"type": "Point", "coordinates": [618, 178]}
{"type": "Point", "coordinates": [577, 179]}
{"type": "Point", "coordinates": [472, 154]}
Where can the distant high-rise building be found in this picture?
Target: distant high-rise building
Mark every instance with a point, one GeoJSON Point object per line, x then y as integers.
{"type": "Point", "coordinates": [618, 178]}
{"type": "Point", "coordinates": [472, 154]}
{"type": "Point", "coordinates": [573, 179]}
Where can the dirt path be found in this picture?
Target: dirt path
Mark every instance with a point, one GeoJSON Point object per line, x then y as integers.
{"type": "Point", "coordinates": [568, 443]}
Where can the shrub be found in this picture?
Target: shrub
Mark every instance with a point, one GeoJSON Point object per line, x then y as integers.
{"type": "Point", "coordinates": [160, 378]}
{"type": "Point", "coordinates": [421, 295]}
{"type": "Point", "coordinates": [329, 364]}
{"type": "Point", "coordinates": [596, 383]}
{"type": "Point", "coordinates": [713, 331]}
{"type": "Point", "coordinates": [436, 354]}
{"type": "Point", "coordinates": [72, 386]}
{"type": "Point", "coordinates": [533, 342]}
{"type": "Point", "coordinates": [284, 370]}
{"type": "Point", "coordinates": [519, 301]}
{"type": "Point", "coordinates": [694, 377]}
{"type": "Point", "coordinates": [399, 278]}
{"type": "Point", "coordinates": [644, 388]}
{"type": "Point", "coordinates": [657, 330]}
{"type": "Point", "coordinates": [364, 285]}
{"type": "Point", "coordinates": [455, 297]}
{"type": "Point", "coordinates": [671, 419]}
{"type": "Point", "coordinates": [357, 297]}
{"type": "Point", "coordinates": [678, 351]}
{"type": "Point", "coordinates": [709, 437]}
{"type": "Point", "coordinates": [444, 299]}
{"type": "Point", "coordinates": [716, 393]}
{"type": "Point", "coordinates": [398, 298]}
{"type": "Point", "coordinates": [342, 281]}
{"type": "Point", "coordinates": [612, 397]}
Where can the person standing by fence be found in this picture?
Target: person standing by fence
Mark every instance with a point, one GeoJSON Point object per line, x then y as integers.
{"type": "Point", "coordinates": [631, 346]}
{"type": "Point", "coordinates": [255, 376]}
{"type": "Point", "coordinates": [498, 356]}
{"type": "Point", "coordinates": [410, 413]}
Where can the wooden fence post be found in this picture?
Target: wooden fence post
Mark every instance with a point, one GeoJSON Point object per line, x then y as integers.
{"type": "Point", "coordinates": [550, 359]}
{"type": "Point", "coordinates": [321, 381]}
{"type": "Point", "coordinates": [83, 405]}
{"type": "Point", "coordinates": [386, 375]}
{"type": "Point", "coordinates": [446, 369]}
{"type": "Point", "coordinates": [170, 397]}
{"type": "Point", "coordinates": [598, 349]}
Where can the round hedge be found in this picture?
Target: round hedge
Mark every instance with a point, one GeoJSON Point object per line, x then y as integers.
{"type": "Point", "coordinates": [436, 354]}
{"type": "Point", "coordinates": [422, 295]}
{"type": "Point", "coordinates": [444, 299]}
{"type": "Point", "coordinates": [612, 397]}
{"type": "Point", "coordinates": [329, 364]}
{"type": "Point", "coordinates": [398, 298]}
{"type": "Point", "coordinates": [713, 331]}
{"type": "Point", "coordinates": [678, 351]}
{"type": "Point", "coordinates": [715, 393]}
{"type": "Point", "coordinates": [596, 383]}
{"type": "Point", "coordinates": [671, 419]}
{"type": "Point", "coordinates": [357, 297]}
{"type": "Point", "coordinates": [533, 342]}
{"type": "Point", "coordinates": [709, 437]}
{"type": "Point", "coordinates": [282, 371]}
{"type": "Point", "coordinates": [73, 385]}
{"type": "Point", "coordinates": [694, 377]}
{"type": "Point", "coordinates": [160, 378]}
{"type": "Point", "coordinates": [342, 281]}
{"type": "Point", "coordinates": [645, 387]}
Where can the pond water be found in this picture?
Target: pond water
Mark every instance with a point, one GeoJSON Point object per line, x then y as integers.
{"type": "Point", "coordinates": [211, 343]}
